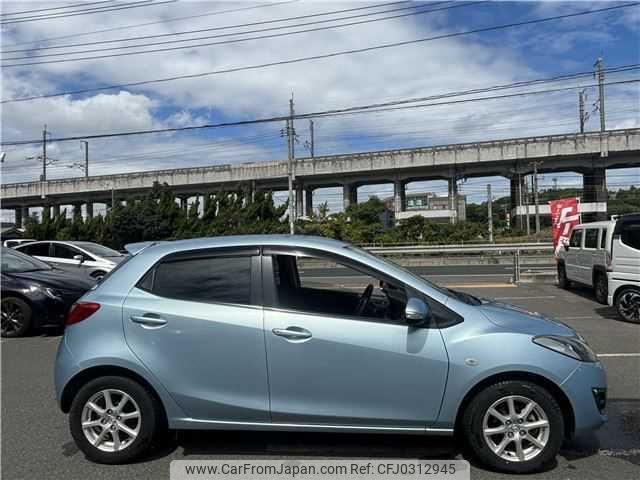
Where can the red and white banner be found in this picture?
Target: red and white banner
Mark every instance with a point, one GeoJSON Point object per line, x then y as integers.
{"type": "Point", "coordinates": [565, 214]}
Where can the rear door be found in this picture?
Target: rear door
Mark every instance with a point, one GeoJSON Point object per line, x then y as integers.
{"type": "Point", "coordinates": [195, 321]}
{"type": "Point", "coordinates": [588, 256]}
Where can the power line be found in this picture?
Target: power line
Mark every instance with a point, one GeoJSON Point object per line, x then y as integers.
{"type": "Point", "coordinates": [188, 32]}
{"type": "Point", "coordinates": [322, 114]}
{"type": "Point", "coordinates": [322, 56]}
{"type": "Point", "coordinates": [136, 25]}
{"type": "Point", "coordinates": [125, 6]}
{"type": "Point", "coordinates": [224, 42]}
{"type": "Point", "coordinates": [56, 8]}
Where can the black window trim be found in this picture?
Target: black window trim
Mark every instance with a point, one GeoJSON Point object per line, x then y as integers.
{"type": "Point", "coordinates": [270, 301]}
{"type": "Point", "coordinates": [213, 252]}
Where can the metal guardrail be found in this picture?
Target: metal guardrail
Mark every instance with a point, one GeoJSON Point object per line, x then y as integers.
{"type": "Point", "coordinates": [474, 248]}
{"type": "Point", "coordinates": [514, 249]}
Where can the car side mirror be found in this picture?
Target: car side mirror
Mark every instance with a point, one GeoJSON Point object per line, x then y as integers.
{"type": "Point", "coordinates": [416, 312]}
{"type": "Point", "coordinates": [79, 259]}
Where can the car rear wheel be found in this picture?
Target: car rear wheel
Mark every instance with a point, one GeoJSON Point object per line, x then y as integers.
{"type": "Point", "coordinates": [514, 426]}
{"type": "Point", "coordinates": [563, 281]}
{"type": "Point", "coordinates": [628, 305]}
{"type": "Point", "coordinates": [16, 317]}
{"type": "Point", "coordinates": [114, 419]}
{"type": "Point", "coordinates": [601, 288]}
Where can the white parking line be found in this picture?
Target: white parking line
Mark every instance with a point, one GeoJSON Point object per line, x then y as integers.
{"type": "Point", "coordinates": [526, 298]}
{"type": "Point", "coordinates": [620, 355]}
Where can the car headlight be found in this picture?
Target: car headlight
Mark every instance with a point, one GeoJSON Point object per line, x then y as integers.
{"type": "Point", "coordinates": [569, 346]}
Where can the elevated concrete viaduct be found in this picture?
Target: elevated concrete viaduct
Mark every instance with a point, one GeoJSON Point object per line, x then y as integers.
{"type": "Point", "coordinates": [589, 154]}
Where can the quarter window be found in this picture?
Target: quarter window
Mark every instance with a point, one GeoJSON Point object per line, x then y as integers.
{"type": "Point", "coordinates": [591, 238]}
{"type": "Point", "coordinates": [576, 239]}
{"type": "Point", "coordinates": [205, 279]}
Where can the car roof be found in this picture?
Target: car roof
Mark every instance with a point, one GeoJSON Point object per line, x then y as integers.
{"type": "Point", "coordinates": [601, 224]}
{"type": "Point", "coordinates": [303, 241]}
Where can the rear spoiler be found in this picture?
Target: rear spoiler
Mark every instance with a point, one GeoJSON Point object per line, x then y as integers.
{"type": "Point", "coordinates": [135, 248]}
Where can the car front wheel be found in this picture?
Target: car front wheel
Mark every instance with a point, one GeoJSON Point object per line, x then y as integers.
{"type": "Point", "coordinates": [514, 426]}
{"type": "Point", "coordinates": [114, 419]}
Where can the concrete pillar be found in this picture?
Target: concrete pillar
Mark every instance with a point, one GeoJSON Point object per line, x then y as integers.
{"type": "Point", "coordinates": [25, 215]}
{"type": "Point", "coordinates": [89, 209]}
{"type": "Point", "coordinates": [77, 209]}
{"type": "Point", "coordinates": [453, 199]}
{"type": "Point", "coordinates": [46, 211]}
{"type": "Point", "coordinates": [299, 200]}
{"type": "Point", "coordinates": [55, 210]}
{"type": "Point", "coordinates": [594, 190]}
{"type": "Point", "coordinates": [399, 198]}
{"type": "Point", "coordinates": [308, 202]}
{"type": "Point", "coordinates": [516, 193]}
{"type": "Point", "coordinates": [349, 195]}
{"type": "Point", "coordinates": [19, 220]}
{"type": "Point", "coordinates": [184, 203]}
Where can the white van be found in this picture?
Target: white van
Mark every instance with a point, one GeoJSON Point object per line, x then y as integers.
{"type": "Point", "coordinates": [586, 257]}
{"type": "Point", "coordinates": [624, 269]}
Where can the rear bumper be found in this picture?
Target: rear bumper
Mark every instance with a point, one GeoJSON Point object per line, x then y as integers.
{"type": "Point", "coordinates": [585, 387]}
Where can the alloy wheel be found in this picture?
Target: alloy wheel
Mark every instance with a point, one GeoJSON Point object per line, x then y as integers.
{"type": "Point", "coordinates": [516, 428]}
{"type": "Point", "coordinates": [12, 316]}
{"type": "Point", "coordinates": [111, 420]}
{"type": "Point", "coordinates": [629, 305]}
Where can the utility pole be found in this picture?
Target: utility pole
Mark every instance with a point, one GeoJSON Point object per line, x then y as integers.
{"type": "Point", "coordinates": [599, 74]}
{"type": "Point", "coordinates": [534, 182]}
{"type": "Point", "coordinates": [490, 212]}
{"type": "Point", "coordinates": [290, 158]}
{"type": "Point", "coordinates": [44, 154]}
{"type": "Point", "coordinates": [526, 200]}
{"type": "Point", "coordinates": [584, 115]}
{"type": "Point", "coordinates": [86, 158]}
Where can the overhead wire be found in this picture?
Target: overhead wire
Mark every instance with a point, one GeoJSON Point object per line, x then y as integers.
{"type": "Point", "coordinates": [84, 4]}
{"type": "Point", "coordinates": [324, 56]}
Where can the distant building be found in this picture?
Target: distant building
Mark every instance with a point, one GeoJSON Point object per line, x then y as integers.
{"type": "Point", "coordinates": [428, 205]}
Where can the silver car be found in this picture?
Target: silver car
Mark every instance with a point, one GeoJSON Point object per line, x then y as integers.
{"type": "Point", "coordinates": [309, 334]}
{"type": "Point", "coordinates": [96, 258]}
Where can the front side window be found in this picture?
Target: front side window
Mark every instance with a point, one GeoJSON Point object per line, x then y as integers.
{"type": "Point", "coordinates": [323, 286]}
{"type": "Point", "coordinates": [36, 249]}
{"type": "Point", "coordinates": [630, 234]}
{"type": "Point", "coordinates": [203, 279]}
{"type": "Point", "coordinates": [67, 252]}
{"type": "Point", "coordinates": [576, 239]}
{"type": "Point", "coordinates": [591, 238]}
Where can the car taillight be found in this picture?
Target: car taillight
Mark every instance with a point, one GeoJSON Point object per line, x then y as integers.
{"type": "Point", "coordinates": [81, 311]}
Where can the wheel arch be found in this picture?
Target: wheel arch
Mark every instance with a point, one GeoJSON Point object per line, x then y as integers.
{"type": "Point", "coordinates": [82, 378]}
{"type": "Point", "coordinates": [552, 387]}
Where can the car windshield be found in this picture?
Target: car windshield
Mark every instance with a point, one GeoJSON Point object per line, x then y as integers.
{"type": "Point", "coordinates": [98, 250]}
{"type": "Point", "coordinates": [17, 262]}
{"type": "Point", "coordinates": [463, 297]}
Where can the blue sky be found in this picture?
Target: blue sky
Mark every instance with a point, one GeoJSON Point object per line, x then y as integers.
{"type": "Point", "coordinates": [479, 60]}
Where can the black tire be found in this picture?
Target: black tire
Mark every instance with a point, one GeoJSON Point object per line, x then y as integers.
{"type": "Point", "coordinates": [601, 287]}
{"type": "Point", "coordinates": [473, 417]}
{"type": "Point", "coordinates": [16, 317]}
{"type": "Point", "coordinates": [151, 419]}
{"type": "Point", "coordinates": [627, 304]}
{"type": "Point", "coordinates": [563, 281]}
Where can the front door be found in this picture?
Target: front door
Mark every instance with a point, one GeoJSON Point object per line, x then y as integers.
{"type": "Point", "coordinates": [195, 322]}
{"type": "Point", "coordinates": [348, 368]}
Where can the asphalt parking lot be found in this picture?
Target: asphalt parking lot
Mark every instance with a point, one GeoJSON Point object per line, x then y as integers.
{"type": "Point", "coordinates": [36, 443]}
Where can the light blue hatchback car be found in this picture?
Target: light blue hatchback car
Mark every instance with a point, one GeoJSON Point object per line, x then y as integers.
{"type": "Point", "coordinates": [279, 332]}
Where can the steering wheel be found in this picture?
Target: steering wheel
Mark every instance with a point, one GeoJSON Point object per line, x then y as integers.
{"type": "Point", "coordinates": [364, 300]}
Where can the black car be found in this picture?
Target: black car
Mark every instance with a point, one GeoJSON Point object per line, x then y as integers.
{"type": "Point", "coordinates": [35, 294]}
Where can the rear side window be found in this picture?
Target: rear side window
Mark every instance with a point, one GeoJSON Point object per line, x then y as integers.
{"type": "Point", "coordinates": [576, 239]}
{"type": "Point", "coordinates": [603, 239]}
{"type": "Point", "coordinates": [205, 279]}
{"type": "Point", "coordinates": [591, 238]}
{"type": "Point", "coordinates": [36, 249]}
{"type": "Point", "coordinates": [630, 234]}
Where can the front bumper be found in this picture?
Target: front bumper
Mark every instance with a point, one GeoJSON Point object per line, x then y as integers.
{"type": "Point", "coordinates": [586, 403]}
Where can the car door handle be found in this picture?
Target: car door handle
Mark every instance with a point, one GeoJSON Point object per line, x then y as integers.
{"type": "Point", "coordinates": [292, 333]}
{"type": "Point", "coordinates": [148, 320]}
